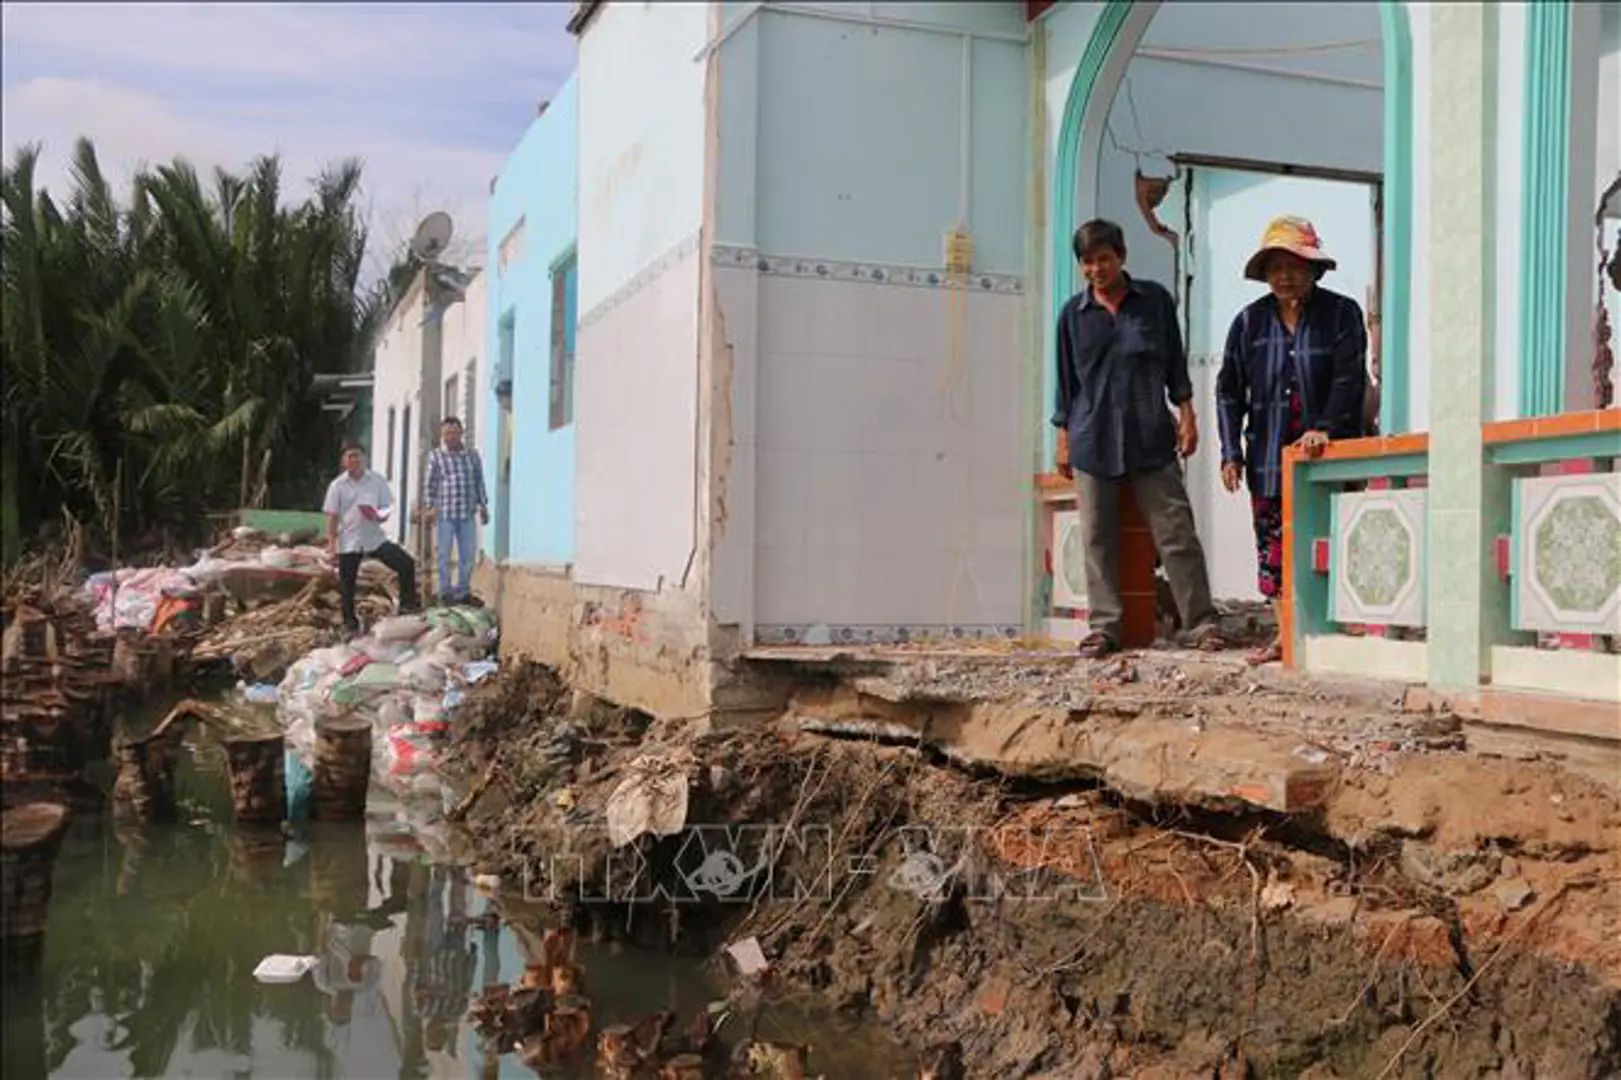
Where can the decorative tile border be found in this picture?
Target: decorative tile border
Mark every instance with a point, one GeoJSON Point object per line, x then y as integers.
{"type": "Point", "coordinates": [801, 634]}
{"type": "Point", "coordinates": [1567, 554]}
{"type": "Point", "coordinates": [1379, 561]}
{"type": "Point", "coordinates": [641, 279]}
{"type": "Point", "coordinates": [1069, 560]}
{"type": "Point", "coordinates": [871, 273]}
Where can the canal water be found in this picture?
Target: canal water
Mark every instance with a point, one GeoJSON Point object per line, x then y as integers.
{"type": "Point", "coordinates": [155, 932]}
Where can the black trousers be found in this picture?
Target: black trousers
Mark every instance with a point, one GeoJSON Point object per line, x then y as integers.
{"type": "Point", "coordinates": [390, 555]}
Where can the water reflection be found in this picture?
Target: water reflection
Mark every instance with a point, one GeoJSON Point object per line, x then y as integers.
{"type": "Point", "coordinates": [155, 931]}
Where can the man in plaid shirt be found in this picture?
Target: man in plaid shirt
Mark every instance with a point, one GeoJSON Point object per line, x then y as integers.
{"type": "Point", "coordinates": [453, 493]}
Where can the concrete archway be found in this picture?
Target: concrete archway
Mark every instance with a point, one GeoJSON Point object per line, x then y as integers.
{"type": "Point", "coordinates": [1115, 36]}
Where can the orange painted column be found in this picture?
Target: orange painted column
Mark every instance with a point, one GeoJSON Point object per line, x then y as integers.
{"type": "Point", "coordinates": [1138, 597]}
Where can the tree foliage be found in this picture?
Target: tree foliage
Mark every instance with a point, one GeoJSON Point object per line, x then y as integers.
{"type": "Point", "coordinates": [159, 352]}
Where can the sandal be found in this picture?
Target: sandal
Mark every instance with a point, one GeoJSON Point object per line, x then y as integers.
{"type": "Point", "coordinates": [1096, 646]}
{"type": "Point", "coordinates": [1207, 638]}
{"type": "Point", "coordinates": [1269, 654]}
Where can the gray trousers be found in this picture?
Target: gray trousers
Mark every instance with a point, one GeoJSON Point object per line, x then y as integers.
{"type": "Point", "coordinates": [1163, 500]}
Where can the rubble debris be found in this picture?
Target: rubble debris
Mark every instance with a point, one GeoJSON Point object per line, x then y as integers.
{"type": "Point", "coordinates": [58, 690]}
{"type": "Point", "coordinates": [258, 778]}
{"type": "Point", "coordinates": [30, 837]}
{"type": "Point", "coordinates": [1309, 916]}
{"type": "Point", "coordinates": [144, 787]}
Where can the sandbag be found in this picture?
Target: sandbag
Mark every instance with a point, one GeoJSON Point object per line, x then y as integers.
{"type": "Point", "coordinates": [399, 628]}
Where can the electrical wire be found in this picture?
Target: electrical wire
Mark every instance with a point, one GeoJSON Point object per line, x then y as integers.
{"type": "Point", "coordinates": [1268, 50]}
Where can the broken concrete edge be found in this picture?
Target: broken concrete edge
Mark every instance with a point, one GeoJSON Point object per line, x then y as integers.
{"type": "Point", "coordinates": [1148, 760]}
{"type": "Point", "coordinates": [1543, 713]}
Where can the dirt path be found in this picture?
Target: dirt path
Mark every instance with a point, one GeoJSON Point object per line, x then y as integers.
{"type": "Point", "coordinates": [1424, 911]}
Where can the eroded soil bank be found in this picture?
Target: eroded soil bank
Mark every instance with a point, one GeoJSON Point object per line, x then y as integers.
{"type": "Point", "coordinates": [1074, 931]}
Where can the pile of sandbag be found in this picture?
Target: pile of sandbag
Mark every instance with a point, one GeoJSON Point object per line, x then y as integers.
{"type": "Point", "coordinates": [129, 599]}
{"type": "Point", "coordinates": [405, 678]}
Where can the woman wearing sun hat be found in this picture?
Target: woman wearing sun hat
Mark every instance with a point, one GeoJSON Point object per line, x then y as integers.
{"type": "Point", "coordinates": [1294, 372]}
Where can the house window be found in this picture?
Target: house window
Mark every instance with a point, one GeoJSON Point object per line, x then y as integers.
{"type": "Point", "coordinates": [470, 402]}
{"type": "Point", "coordinates": [565, 290]}
{"type": "Point", "coordinates": [447, 408]}
{"type": "Point", "coordinates": [388, 462]}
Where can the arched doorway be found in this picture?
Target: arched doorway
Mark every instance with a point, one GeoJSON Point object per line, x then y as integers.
{"type": "Point", "coordinates": [1186, 121]}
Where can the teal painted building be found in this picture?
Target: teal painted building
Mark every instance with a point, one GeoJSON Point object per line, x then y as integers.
{"type": "Point", "coordinates": [533, 285]}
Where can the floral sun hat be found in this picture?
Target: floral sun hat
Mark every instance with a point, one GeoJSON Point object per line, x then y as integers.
{"type": "Point", "coordinates": [1295, 235]}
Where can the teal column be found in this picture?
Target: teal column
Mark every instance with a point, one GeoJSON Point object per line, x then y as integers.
{"type": "Point", "coordinates": [1067, 167]}
{"type": "Point", "coordinates": [1544, 210]}
{"type": "Point", "coordinates": [1396, 361]}
{"type": "Point", "coordinates": [1462, 244]}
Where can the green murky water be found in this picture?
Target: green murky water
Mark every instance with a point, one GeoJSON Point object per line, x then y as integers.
{"type": "Point", "coordinates": [155, 931]}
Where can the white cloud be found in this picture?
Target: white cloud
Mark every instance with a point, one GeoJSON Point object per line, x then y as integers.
{"type": "Point", "coordinates": [431, 98]}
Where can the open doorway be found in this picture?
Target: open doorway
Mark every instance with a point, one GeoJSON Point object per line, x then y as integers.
{"type": "Point", "coordinates": [405, 478]}
{"type": "Point", "coordinates": [1221, 118]}
{"type": "Point", "coordinates": [503, 435]}
{"type": "Point", "coordinates": [1220, 210]}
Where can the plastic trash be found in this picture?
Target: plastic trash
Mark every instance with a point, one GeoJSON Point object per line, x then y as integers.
{"type": "Point", "coordinates": [748, 955]}
{"type": "Point", "coordinates": [281, 968]}
{"type": "Point", "coordinates": [300, 782]}
{"type": "Point", "coordinates": [651, 799]}
{"type": "Point", "coordinates": [259, 693]}
{"type": "Point", "coordinates": [376, 676]}
{"type": "Point", "coordinates": [479, 670]}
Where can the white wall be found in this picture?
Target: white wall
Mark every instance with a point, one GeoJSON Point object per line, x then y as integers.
{"type": "Point", "coordinates": [641, 139]}
{"type": "Point", "coordinates": [861, 134]}
{"type": "Point", "coordinates": [397, 384]}
{"type": "Point", "coordinates": [399, 381]}
{"type": "Point", "coordinates": [891, 480]}
{"type": "Point", "coordinates": [877, 477]}
{"type": "Point", "coordinates": [465, 327]}
{"type": "Point", "coordinates": [641, 185]}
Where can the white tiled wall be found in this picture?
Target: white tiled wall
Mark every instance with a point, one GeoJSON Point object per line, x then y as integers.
{"type": "Point", "coordinates": [636, 403]}
{"type": "Point", "coordinates": [889, 471]}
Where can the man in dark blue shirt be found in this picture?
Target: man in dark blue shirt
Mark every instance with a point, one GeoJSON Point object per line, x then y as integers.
{"type": "Point", "coordinates": [1120, 359]}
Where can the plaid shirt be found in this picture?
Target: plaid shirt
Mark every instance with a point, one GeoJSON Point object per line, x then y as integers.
{"type": "Point", "coordinates": [1116, 374]}
{"type": "Point", "coordinates": [1327, 355]}
{"type": "Point", "coordinates": [455, 483]}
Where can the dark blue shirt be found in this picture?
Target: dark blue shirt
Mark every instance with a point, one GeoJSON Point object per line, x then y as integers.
{"type": "Point", "coordinates": [1115, 374]}
{"type": "Point", "coordinates": [1328, 354]}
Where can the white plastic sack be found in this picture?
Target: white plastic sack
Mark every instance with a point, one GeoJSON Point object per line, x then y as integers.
{"type": "Point", "coordinates": [278, 557]}
{"type": "Point", "coordinates": [400, 628]}
{"type": "Point", "coordinates": [391, 712]}
{"type": "Point", "coordinates": [651, 799]}
{"type": "Point", "coordinates": [384, 652]}
{"type": "Point", "coordinates": [424, 674]}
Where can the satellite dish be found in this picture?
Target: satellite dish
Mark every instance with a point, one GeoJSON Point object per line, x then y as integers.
{"type": "Point", "coordinates": [432, 236]}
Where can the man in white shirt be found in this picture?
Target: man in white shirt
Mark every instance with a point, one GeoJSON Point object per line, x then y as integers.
{"type": "Point", "coordinates": [357, 503]}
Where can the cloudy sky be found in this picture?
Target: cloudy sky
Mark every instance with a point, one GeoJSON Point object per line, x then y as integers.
{"type": "Point", "coordinates": [430, 96]}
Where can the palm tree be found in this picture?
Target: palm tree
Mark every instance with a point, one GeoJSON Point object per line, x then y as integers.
{"type": "Point", "coordinates": [159, 355]}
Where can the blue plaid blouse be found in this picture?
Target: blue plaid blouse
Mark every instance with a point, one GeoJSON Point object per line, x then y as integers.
{"type": "Point", "coordinates": [1329, 354]}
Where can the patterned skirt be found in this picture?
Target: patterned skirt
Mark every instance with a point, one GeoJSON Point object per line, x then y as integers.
{"type": "Point", "coordinates": [1267, 513]}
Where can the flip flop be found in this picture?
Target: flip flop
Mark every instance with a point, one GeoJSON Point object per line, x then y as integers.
{"type": "Point", "coordinates": [1270, 654]}
{"type": "Point", "coordinates": [1207, 638]}
{"type": "Point", "coordinates": [1097, 646]}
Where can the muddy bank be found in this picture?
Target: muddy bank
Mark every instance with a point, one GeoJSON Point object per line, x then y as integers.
{"type": "Point", "coordinates": [1073, 931]}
